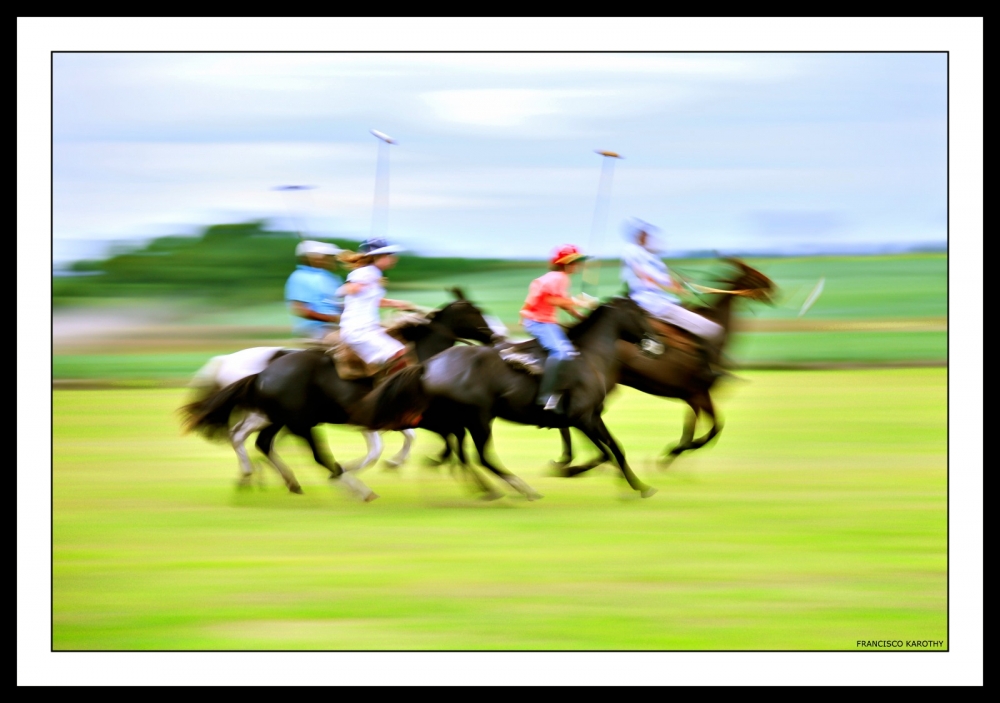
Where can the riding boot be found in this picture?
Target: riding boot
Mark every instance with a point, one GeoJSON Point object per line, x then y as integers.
{"type": "Point", "coordinates": [709, 353]}
{"type": "Point", "coordinates": [547, 386]}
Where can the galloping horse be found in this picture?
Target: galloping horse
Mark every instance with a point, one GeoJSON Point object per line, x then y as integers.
{"type": "Point", "coordinates": [679, 372]}
{"type": "Point", "coordinates": [298, 369]}
{"type": "Point", "coordinates": [481, 386]}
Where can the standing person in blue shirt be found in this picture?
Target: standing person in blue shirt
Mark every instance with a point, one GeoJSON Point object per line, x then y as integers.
{"type": "Point", "coordinates": [311, 291]}
{"type": "Point", "coordinates": [651, 287]}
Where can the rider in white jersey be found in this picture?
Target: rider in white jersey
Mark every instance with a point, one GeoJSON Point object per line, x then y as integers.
{"type": "Point", "coordinates": [652, 288]}
{"type": "Point", "coordinates": [364, 294]}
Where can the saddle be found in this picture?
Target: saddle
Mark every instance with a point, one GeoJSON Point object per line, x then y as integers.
{"type": "Point", "coordinates": [528, 356]}
{"type": "Point", "coordinates": [675, 336]}
{"type": "Point", "coordinates": [349, 365]}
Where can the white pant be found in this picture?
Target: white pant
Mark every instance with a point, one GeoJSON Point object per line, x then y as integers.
{"type": "Point", "coordinates": [669, 311]}
{"type": "Point", "coordinates": [371, 343]}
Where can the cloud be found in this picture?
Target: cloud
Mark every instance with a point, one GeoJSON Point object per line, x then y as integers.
{"type": "Point", "coordinates": [801, 224]}
{"type": "Point", "coordinates": [497, 107]}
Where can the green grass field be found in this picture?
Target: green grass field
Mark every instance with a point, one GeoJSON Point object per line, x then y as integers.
{"type": "Point", "coordinates": [818, 519]}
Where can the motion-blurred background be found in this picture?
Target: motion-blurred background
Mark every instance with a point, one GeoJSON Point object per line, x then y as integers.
{"type": "Point", "coordinates": [172, 235]}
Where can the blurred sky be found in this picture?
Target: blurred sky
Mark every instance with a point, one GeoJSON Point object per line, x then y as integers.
{"type": "Point", "coordinates": [738, 152]}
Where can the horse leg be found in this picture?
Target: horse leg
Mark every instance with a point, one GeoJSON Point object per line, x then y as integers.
{"type": "Point", "coordinates": [480, 437]}
{"type": "Point", "coordinates": [460, 446]}
{"type": "Point", "coordinates": [404, 453]}
{"type": "Point", "coordinates": [337, 472]}
{"type": "Point", "coordinates": [567, 444]}
{"type": "Point", "coordinates": [445, 453]}
{"type": "Point", "coordinates": [238, 435]}
{"type": "Point", "coordinates": [265, 444]}
{"type": "Point", "coordinates": [690, 421]}
{"type": "Point", "coordinates": [596, 428]}
{"type": "Point", "coordinates": [464, 467]}
{"type": "Point", "coordinates": [570, 471]}
{"type": "Point", "coordinates": [708, 408]}
{"type": "Point", "coordinates": [701, 403]}
{"type": "Point", "coordinates": [374, 442]}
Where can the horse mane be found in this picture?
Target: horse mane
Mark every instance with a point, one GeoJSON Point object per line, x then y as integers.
{"type": "Point", "coordinates": [586, 324]}
{"type": "Point", "coordinates": [407, 320]}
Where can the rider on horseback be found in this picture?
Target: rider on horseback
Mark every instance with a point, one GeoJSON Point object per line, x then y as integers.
{"type": "Point", "coordinates": [311, 290]}
{"type": "Point", "coordinates": [364, 294]}
{"type": "Point", "coordinates": [652, 288]}
{"type": "Point", "coordinates": [538, 316]}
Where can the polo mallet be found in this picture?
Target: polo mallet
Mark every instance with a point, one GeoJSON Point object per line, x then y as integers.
{"type": "Point", "coordinates": [591, 271]}
{"type": "Point", "coordinates": [296, 219]}
{"type": "Point", "coordinates": [380, 209]}
{"type": "Point", "coordinates": [813, 297]}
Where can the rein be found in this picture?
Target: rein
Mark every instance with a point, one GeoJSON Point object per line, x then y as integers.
{"type": "Point", "coordinates": [744, 291]}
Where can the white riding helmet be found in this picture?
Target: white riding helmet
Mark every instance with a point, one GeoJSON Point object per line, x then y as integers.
{"type": "Point", "coordinates": [309, 246]}
{"type": "Point", "coordinates": [635, 227]}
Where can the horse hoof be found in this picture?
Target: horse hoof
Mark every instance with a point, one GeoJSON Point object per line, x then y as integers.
{"type": "Point", "coordinates": [491, 495]}
{"type": "Point", "coordinates": [295, 489]}
{"type": "Point", "coordinates": [370, 497]}
{"type": "Point", "coordinates": [648, 492]}
{"type": "Point", "coordinates": [533, 496]}
{"type": "Point", "coordinates": [393, 464]}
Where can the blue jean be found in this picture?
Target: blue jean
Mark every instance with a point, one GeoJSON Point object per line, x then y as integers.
{"type": "Point", "coordinates": [551, 336]}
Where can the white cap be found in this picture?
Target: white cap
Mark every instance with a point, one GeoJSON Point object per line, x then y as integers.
{"type": "Point", "coordinates": [309, 246]}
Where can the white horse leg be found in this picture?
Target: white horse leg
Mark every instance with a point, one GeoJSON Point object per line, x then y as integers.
{"type": "Point", "coordinates": [374, 442]}
{"type": "Point", "coordinates": [356, 487]}
{"type": "Point", "coordinates": [404, 453]}
{"type": "Point", "coordinates": [347, 479]}
{"type": "Point", "coordinates": [238, 436]}
{"type": "Point", "coordinates": [286, 473]}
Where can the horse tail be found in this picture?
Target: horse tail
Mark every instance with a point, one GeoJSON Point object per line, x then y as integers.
{"type": "Point", "coordinates": [206, 375]}
{"type": "Point", "coordinates": [397, 404]}
{"type": "Point", "coordinates": [210, 415]}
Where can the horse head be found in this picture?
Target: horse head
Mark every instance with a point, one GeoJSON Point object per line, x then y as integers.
{"type": "Point", "coordinates": [750, 282]}
{"type": "Point", "coordinates": [466, 321]}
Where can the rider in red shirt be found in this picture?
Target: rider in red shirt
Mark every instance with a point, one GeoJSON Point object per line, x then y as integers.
{"type": "Point", "coordinates": [538, 316]}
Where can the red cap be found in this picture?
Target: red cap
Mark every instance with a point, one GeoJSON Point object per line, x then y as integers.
{"type": "Point", "coordinates": [567, 254]}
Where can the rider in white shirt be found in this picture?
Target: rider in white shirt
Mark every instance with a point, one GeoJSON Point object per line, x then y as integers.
{"type": "Point", "coordinates": [364, 294]}
{"type": "Point", "coordinates": [652, 288]}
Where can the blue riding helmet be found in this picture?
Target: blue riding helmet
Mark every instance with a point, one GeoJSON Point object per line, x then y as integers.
{"type": "Point", "coordinates": [373, 247]}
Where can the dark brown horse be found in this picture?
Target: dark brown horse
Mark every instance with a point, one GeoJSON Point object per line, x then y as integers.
{"type": "Point", "coordinates": [679, 372]}
{"type": "Point", "coordinates": [476, 386]}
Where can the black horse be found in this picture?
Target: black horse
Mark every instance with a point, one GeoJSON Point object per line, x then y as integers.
{"type": "Point", "coordinates": [679, 371]}
{"type": "Point", "coordinates": [480, 386]}
{"type": "Point", "coordinates": [303, 389]}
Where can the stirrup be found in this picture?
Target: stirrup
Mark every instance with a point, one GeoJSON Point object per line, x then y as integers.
{"type": "Point", "coordinates": [390, 368]}
{"type": "Point", "coordinates": [554, 402]}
